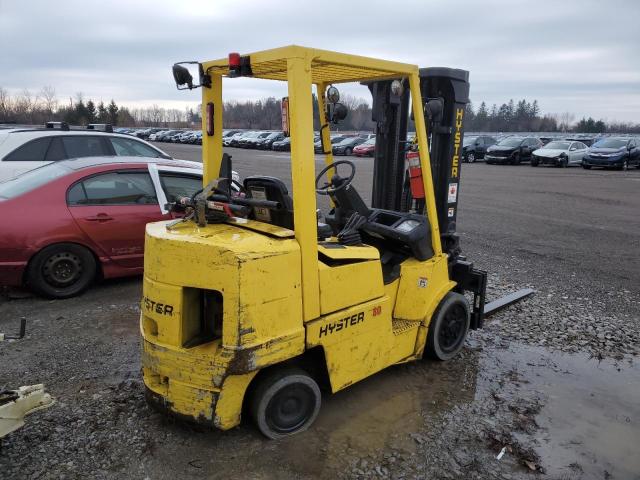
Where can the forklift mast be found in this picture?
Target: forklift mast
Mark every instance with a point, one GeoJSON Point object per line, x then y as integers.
{"type": "Point", "coordinates": [445, 92]}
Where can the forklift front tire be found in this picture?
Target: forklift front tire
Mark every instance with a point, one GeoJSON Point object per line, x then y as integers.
{"type": "Point", "coordinates": [448, 328]}
{"type": "Point", "coordinates": [284, 402]}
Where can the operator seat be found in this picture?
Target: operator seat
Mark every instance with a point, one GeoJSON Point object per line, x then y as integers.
{"type": "Point", "coordinates": [273, 189]}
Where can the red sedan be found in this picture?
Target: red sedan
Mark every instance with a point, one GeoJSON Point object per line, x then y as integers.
{"type": "Point", "coordinates": [70, 222]}
{"type": "Point", "coordinates": [365, 149]}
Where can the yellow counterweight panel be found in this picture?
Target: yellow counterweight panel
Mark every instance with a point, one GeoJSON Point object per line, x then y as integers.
{"type": "Point", "coordinates": [229, 405]}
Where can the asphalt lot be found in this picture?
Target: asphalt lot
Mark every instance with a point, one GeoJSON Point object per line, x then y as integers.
{"type": "Point", "coordinates": [552, 380]}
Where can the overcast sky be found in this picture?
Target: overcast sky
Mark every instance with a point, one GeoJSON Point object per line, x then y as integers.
{"type": "Point", "coordinates": [578, 56]}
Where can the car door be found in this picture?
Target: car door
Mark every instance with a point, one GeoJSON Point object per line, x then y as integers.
{"type": "Point", "coordinates": [481, 147]}
{"type": "Point", "coordinates": [576, 152]}
{"type": "Point", "coordinates": [176, 184]}
{"type": "Point", "coordinates": [112, 209]}
{"type": "Point", "coordinates": [634, 152]}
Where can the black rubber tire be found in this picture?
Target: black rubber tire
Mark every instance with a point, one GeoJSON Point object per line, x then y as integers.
{"type": "Point", "coordinates": [516, 159]}
{"type": "Point", "coordinates": [586, 167]}
{"type": "Point", "coordinates": [348, 151]}
{"type": "Point", "coordinates": [535, 163]}
{"type": "Point", "coordinates": [288, 387]}
{"type": "Point", "coordinates": [452, 314]}
{"type": "Point", "coordinates": [47, 270]}
{"type": "Point", "coordinates": [564, 163]}
{"type": "Point", "coordinates": [470, 157]}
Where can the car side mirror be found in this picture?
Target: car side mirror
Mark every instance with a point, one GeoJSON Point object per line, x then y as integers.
{"type": "Point", "coordinates": [572, 149]}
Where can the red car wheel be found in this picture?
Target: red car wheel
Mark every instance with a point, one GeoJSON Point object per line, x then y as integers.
{"type": "Point", "coordinates": [61, 271]}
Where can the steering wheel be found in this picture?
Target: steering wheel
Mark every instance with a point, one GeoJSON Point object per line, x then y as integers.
{"type": "Point", "coordinates": [327, 189]}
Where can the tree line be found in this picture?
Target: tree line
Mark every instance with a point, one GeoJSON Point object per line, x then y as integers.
{"type": "Point", "coordinates": [525, 116]}
{"type": "Point", "coordinates": [265, 114]}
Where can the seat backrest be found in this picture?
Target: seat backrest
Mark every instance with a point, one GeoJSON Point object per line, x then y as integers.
{"type": "Point", "coordinates": [273, 189]}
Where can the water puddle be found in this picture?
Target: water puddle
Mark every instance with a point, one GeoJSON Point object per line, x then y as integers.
{"type": "Point", "coordinates": [590, 422]}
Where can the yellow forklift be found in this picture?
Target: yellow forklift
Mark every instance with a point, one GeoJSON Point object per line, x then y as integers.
{"type": "Point", "coordinates": [252, 304]}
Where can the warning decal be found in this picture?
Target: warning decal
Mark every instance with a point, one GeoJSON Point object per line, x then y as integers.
{"type": "Point", "coordinates": [453, 193]}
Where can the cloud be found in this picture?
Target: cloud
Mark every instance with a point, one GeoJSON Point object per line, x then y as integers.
{"type": "Point", "coordinates": [580, 56]}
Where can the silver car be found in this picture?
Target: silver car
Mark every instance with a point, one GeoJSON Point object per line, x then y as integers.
{"type": "Point", "coordinates": [560, 153]}
{"type": "Point", "coordinates": [23, 149]}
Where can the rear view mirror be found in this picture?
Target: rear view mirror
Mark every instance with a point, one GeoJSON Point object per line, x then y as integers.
{"type": "Point", "coordinates": [182, 77]}
{"type": "Point", "coordinates": [339, 112]}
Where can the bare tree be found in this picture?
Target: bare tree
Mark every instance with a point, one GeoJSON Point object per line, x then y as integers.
{"type": "Point", "coordinates": [49, 100]}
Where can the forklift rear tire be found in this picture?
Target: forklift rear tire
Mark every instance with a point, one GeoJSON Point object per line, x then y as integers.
{"type": "Point", "coordinates": [284, 402]}
{"type": "Point", "coordinates": [448, 328]}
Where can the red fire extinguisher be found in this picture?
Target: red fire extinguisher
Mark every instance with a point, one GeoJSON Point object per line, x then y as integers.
{"type": "Point", "coordinates": [415, 175]}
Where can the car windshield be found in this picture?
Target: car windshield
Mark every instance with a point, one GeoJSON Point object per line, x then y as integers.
{"type": "Point", "coordinates": [371, 141]}
{"type": "Point", "coordinates": [610, 143]}
{"type": "Point", "coordinates": [31, 180]}
{"type": "Point", "coordinates": [469, 140]}
{"type": "Point", "coordinates": [510, 142]}
{"type": "Point", "coordinates": [557, 145]}
{"type": "Point", "coordinates": [273, 135]}
{"type": "Point", "coordinates": [347, 141]}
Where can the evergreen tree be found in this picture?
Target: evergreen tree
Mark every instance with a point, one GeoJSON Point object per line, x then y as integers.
{"type": "Point", "coordinates": [81, 114]}
{"type": "Point", "coordinates": [92, 113]}
{"type": "Point", "coordinates": [103, 115]}
{"type": "Point", "coordinates": [112, 110]}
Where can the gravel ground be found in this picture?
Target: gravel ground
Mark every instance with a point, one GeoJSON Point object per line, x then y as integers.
{"type": "Point", "coordinates": [538, 381]}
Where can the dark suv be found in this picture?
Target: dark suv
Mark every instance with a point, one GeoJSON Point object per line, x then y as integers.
{"type": "Point", "coordinates": [512, 150]}
{"type": "Point", "coordinates": [617, 153]}
{"type": "Point", "coordinates": [475, 146]}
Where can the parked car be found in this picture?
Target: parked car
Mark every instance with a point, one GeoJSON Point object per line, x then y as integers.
{"type": "Point", "coordinates": [560, 153]}
{"type": "Point", "coordinates": [512, 150]}
{"type": "Point", "coordinates": [283, 145]}
{"type": "Point", "coordinates": [164, 135]}
{"type": "Point", "coordinates": [247, 140]}
{"type": "Point", "coordinates": [365, 149]}
{"type": "Point", "coordinates": [346, 146]}
{"type": "Point", "coordinates": [317, 146]}
{"type": "Point", "coordinates": [243, 137]}
{"type": "Point", "coordinates": [154, 136]}
{"type": "Point", "coordinates": [184, 136]}
{"type": "Point", "coordinates": [175, 138]}
{"type": "Point", "coordinates": [196, 138]}
{"type": "Point", "coordinates": [73, 221]}
{"type": "Point", "coordinates": [475, 147]}
{"type": "Point", "coordinates": [265, 143]}
{"type": "Point", "coordinates": [146, 132]}
{"type": "Point", "coordinates": [613, 152]}
{"type": "Point", "coordinates": [232, 140]}
{"type": "Point", "coordinates": [230, 133]}
{"type": "Point", "coordinates": [22, 150]}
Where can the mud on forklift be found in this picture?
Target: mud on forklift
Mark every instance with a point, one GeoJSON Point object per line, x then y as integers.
{"type": "Point", "coordinates": [252, 305]}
